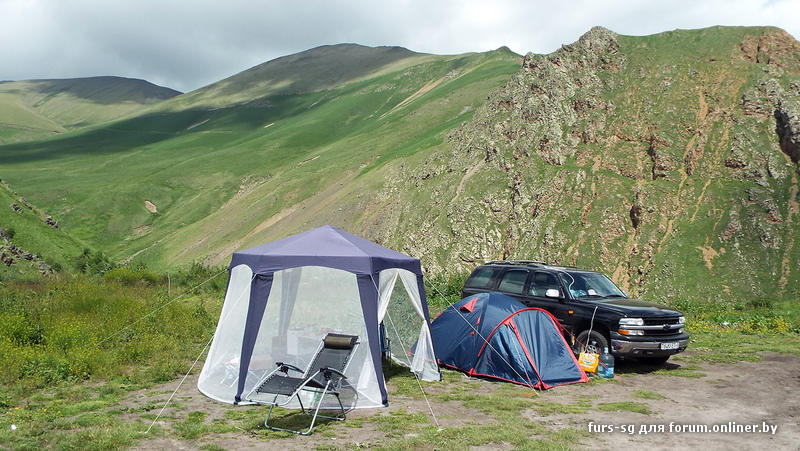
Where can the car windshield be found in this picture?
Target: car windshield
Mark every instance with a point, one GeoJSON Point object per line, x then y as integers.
{"type": "Point", "coordinates": [591, 285]}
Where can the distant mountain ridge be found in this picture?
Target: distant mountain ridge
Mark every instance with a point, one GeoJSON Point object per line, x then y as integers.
{"type": "Point", "coordinates": [322, 67]}
{"type": "Point", "coordinates": [39, 108]}
{"type": "Point", "coordinates": [102, 89]}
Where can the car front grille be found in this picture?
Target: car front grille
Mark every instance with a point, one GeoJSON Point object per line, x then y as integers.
{"type": "Point", "coordinates": [650, 322]}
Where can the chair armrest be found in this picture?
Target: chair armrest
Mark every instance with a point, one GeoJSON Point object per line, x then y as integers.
{"type": "Point", "coordinates": [285, 367]}
{"type": "Point", "coordinates": [326, 370]}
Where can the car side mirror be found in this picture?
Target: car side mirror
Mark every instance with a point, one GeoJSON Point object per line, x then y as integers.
{"type": "Point", "coordinates": [552, 293]}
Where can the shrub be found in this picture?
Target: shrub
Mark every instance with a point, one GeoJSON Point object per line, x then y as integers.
{"type": "Point", "coordinates": [93, 262]}
{"type": "Point", "coordinates": [196, 274]}
{"type": "Point", "coordinates": [444, 290]}
{"type": "Point", "coordinates": [131, 276]}
{"type": "Point", "coordinates": [19, 329]}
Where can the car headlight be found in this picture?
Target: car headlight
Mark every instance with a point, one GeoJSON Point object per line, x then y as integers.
{"type": "Point", "coordinates": [630, 331]}
{"type": "Point", "coordinates": [631, 322]}
{"type": "Point", "coordinates": [681, 320]}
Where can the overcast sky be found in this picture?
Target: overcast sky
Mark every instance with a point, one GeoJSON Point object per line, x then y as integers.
{"type": "Point", "coordinates": [186, 44]}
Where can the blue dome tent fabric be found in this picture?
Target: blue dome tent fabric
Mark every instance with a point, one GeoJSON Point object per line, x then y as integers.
{"type": "Point", "coordinates": [495, 336]}
{"type": "Point", "coordinates": [283, 297]}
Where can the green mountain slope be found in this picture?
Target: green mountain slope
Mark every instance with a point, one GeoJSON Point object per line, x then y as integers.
{"type": "Point", "coordinates": [31, 242]}
{"type": "Point", "coordinates": [38, 108]}
{"type": "Point", "coordinates": [324, 67]}
{"type": "Point", "coordinates": [669, 161]}
{"type": "Point", "coordinates": [193, 179]}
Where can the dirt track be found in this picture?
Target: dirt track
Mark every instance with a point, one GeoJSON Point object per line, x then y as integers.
{"type": "Point", "coordinates": [743, 393]}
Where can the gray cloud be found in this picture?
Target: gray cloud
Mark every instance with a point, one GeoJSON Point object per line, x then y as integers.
{"type": "Point", "coordinates": [188, 44]}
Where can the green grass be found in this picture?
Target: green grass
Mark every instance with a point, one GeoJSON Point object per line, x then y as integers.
{"type": "Point", "coordinates": [504, 404]}
{"type": "Point", "coordinates": [194, 426]}
{"type": "Point", "coordinates": [648, 394]}
{"type": "Point", "coordinates": [629, 406]}
{"type": "Point", "coordinates": [189, 159]}
{"type": "Point", "coordinates": [35, 109]}
{"type": "Point", "coordinates": [345, 147]}
{"type": "Point", "coordinates": [729, 347]}
{"type": "Point", "coordinates": [345, 135]}
{"type": "Point", "coordinates": [67, 358]}
{"type": "Point", "coordinates": [76, 328]}
{"type": "Point", "coordinates": [544, 407]}
{"type": "Point", "coordinates": [67, 417]}
{"type": "Point", "coordinates": [55, 248]}
{"type": "Point", "coordinates": [61, 387]}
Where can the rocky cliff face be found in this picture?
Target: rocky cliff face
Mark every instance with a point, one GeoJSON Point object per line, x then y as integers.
{"type": "Point", "coordinates": [667, 161]}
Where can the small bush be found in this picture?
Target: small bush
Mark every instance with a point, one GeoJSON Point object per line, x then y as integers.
{"type": "Point", "coordinates": [197, 274]}
{"type": "Point", "coordinates": [19, 329]}
{"type": "Point", "coordinates": [5, 401]}
{"type": "Point", "coordinates": [93, 262]}
{"type": "Point", "coordinates": [444, 290]}
{"type": "Point", "coordinates": [131, 276]}
{"type": "Point", "coordinates": [760, 303]}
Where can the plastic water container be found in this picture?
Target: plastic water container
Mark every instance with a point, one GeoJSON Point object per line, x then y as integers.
{"type": "Point", "coordinates": [606, 367]}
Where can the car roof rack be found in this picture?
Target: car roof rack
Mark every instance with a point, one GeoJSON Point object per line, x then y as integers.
{"type": "Point", "coordinates": [570, 267]}
{"type": "Point", "coordinates": [517, 262]}
{"type": "Point", "coordinates": [531, 263]}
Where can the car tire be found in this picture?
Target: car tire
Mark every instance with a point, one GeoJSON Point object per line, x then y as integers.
{"type": "Point", "coordinates": [595, 339]}
{"type": "Point", "coordinates": [654, 360]}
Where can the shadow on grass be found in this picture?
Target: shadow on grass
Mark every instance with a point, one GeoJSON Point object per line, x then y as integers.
{"type": "Point", "coordinates": [392, 370]}
{"type": "Point", "coordinates": [668, 368]}
{"type": "Point", "coordinates": [637, 367]}
{"type": "Point", "coordinates": [296, 420]}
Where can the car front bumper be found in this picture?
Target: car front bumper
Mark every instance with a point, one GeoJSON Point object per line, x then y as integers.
{"type": "Point", "coordinates": [647, 346]}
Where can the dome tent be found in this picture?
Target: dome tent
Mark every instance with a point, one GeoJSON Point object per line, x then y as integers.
{"type": "Point", "coordinates": [493, 335]}
{"type": "Point", "coordinates": [283, 297]}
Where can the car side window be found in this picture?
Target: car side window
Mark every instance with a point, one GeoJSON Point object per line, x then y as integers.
{"type": "Point", "coordinates": [513, 281]}
{"type": "Point", "coordinates": [541, 282]}
{"type": "Point", "coordinates": [480, 278]}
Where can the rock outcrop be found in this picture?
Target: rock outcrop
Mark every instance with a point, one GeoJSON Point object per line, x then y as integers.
{"type": "Point", "coordinates": [625, 155]}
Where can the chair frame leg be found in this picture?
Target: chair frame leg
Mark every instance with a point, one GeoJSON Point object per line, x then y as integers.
{"type": "Point", "coordinates": [341, 408]}
{"type": "Point", "coordinates": [315, 415]}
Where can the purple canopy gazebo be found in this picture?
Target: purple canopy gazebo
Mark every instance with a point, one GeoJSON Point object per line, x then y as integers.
{"type": "Point", "coordinates": [284, 296]}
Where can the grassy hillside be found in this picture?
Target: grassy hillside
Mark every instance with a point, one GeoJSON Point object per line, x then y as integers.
{"type": "Point", "coordinates": [31, 242]}
{"type": "Point", "coordinates": [669, 161]}
{"type": "Point", "coordinates": [320, 68]}
{"type": "Point", "coordinates": [189, 181]}
{"type": "Point", "coordinates": [39, 108]}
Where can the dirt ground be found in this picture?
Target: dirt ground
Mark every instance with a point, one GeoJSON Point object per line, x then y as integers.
{"type": "Point", "coordinates": [738, 395]}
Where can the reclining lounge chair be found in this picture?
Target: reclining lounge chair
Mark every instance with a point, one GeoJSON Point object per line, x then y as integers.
{"type": "Point", "coordinates": [324, 376]}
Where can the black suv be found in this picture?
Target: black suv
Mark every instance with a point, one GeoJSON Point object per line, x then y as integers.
{"type": "Point", "coordinates": [630, 328]}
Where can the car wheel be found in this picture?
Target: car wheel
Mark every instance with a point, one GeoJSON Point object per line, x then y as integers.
{"type": "Point", "coordinates": [594, 342]}
{"type": "Point", "coordinates": [654, 360]}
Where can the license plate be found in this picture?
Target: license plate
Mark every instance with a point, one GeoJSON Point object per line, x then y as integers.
{"type": "Point", "coordinates": [669, 345]}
